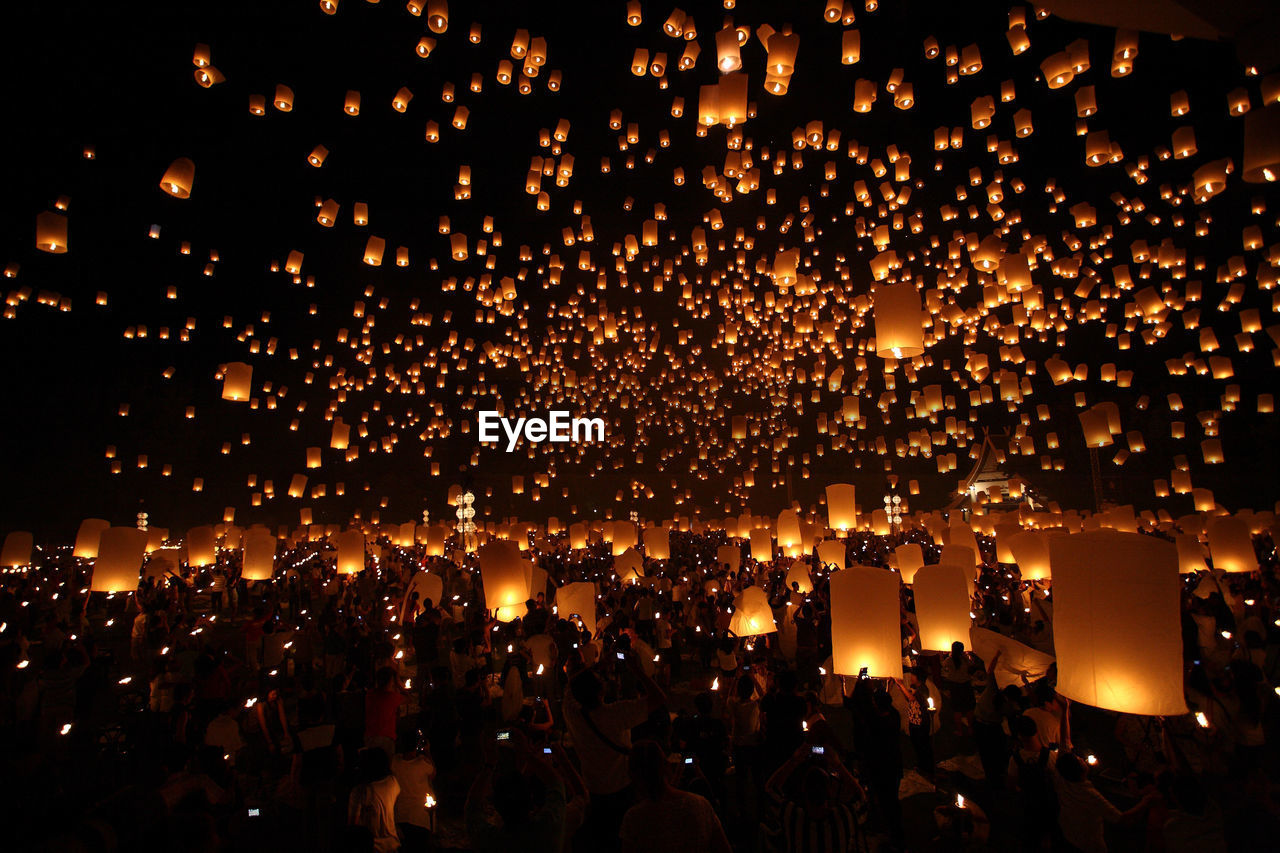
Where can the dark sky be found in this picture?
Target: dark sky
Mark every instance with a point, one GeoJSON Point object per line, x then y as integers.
{"type": "Point", "coordinates": [118, 77]}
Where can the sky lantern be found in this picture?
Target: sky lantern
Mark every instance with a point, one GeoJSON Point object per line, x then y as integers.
{"type": "Point", "coordinates": [1031, 552]}
{"type": "Point", "coordinates": [1117, 627]}
{"type": "Point", "coordinates": [17, 549]}
{"type": "Point", "coordinates": [51, 232]}
{"type": "Point", "coordinates": [201, 546]}
{"type": "Point", "coordinates": [842, 509]}
{"type": "Point", "coordinates": [752, 615]}
{"type": "Point", "coordinates": [798, 577]}
{"type": "Point", "coordinates": [1016, 659]}
{"type": "Point", "coordinates": [578, 600]}
{"type": "Point", "coordinates": [761, 545]}
{"type": "Point", "coordinates": [87, 537]}
{"type": "Point", "coordinates": [942, 606]}
{"type": "Point", "coordinates": [832, 553]}
{"type": "Point", "coordinates": [506, 587]}
{"type": "Point", "coordinates": [1262, 145]}
{"type": "Point", "coordinates": [260, 555]}
{"type": "Point", "coordinates": [865, 632]}
{"type": "Point", "coordinates": [351, 551]}
{"type": "Point", "coordinates": [121, 551]}
{"type": "Point", "coordinates": [1230, 545]}
{"type": "Point", "coordinates": [910, 559]}
{"type": "Point", "coordinates": [179, 177]}
{"type": "Point", "coordinates": [789, 537]}
{"type": "Point", "coordinates": [237, 382]}
{"type": "Point", "coordinates": [898, 321]}
{"type": "Point", "coordinates": [657, 543]}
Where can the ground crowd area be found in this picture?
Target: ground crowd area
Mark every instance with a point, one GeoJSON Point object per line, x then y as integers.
{"type": "Point", "coordinates": [333, 712]}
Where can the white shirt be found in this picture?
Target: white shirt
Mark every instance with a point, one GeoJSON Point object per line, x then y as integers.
{"type": "Point", "coordinates": [373, 806]}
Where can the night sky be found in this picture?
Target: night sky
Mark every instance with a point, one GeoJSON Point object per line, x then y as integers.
{"type": "Point", "coordinates": [119, 79]}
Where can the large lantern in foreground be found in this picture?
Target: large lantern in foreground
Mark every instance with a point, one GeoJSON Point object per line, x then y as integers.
{"type": "Point", "coordinates": [87, 537]}
{"type": "Point", "coordinates": [260, 555]}
{"type": "Point", "coordinates": [942, 606]}
{"type": "Point", "coordinates": [506, 586]}
{"type": "Point", "coordinates": [864, 622]}
{"type": "Point", "coordinates": [1117, 622]}
{"type": "Point", "coordinates": [201, 547]}
{"type": "Point", "coordinates": [1231, 546]}
{"type": "Point", "coordinates": [751, 614]}
{"type": "Point", "coordinates": [899, 323]}
{"type": "Point", "coordinates": [350, 552]}
{"type": "Point", "coordinates": [842, 510]}
{"type": "Point", "coordinates": [578, 599]}
{"type": "Point", "coordinates": [910, 560]}
{"type": "Point", "coordinates": [17, 550]}
{"type": "Point", "coordinates": [121, 551]}
{"type": "Point", "coordinates": [657, 543]}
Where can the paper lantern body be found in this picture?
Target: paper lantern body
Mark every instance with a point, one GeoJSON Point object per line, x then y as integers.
{"type": "Point", "coordinates": [1031, 552]}
{"type": "Point", "coordinates": [1015, 658]}
{"type": "Point", "coordinates": [751, 614]}
{"type": "Point", "coordinates": [429, 587]}
{"type": "Point", "coordinates": [961, 535]}
{"type": "Point", "coordinates": [577, 536]}
{"type": "Point", "coordinates": [17, 549]}
{"type": "Point", "coordinates": [86, 547]}
{"type": "Point", "coordinates": [789, 538]}
{"type": "Point", "coordinates": [1117, 622]}
{"type": "Point", "coordinates": [260, 555]}
{"type": "Point", "coordinates": [350, 552]}
{"type": "Point", "coordinates": [1231, 546]}
{"type": "Point", "coordinates": [201, 547]}
{"type": "Point", "coordinates": [761, 545]}
{"type": "Point", "coordinates": [898, 319]}
{"type": "Point", "coordinates": [798, 577]}
{"type": "Point", "coordinates": [121, 551]}
{"type": "Point", "coordinates": [910, 560]}
{"type": "Point", "coordinates": [578, 599]}
{"type": "Point", "coordinates": [1190, 554]}
{"type": "Point", "coordinates": [503, 573]}
{"type": "Point", "coordinates": [832, 552]}
{"type": "Point", "coordinates": [865, 629]}
{"type": "Point", "coordinates": [624, 537]}
{"type": "Point", "coordinates": [942, 606]}
{"type": "Point", "coordinates": [657, 543]}
{"type": "Point", "coordinates": [842, 510]}
{"type": "Point", "coordinates": [629, 566]}
{"type": "Point", "coordinates": [729, 555]}
{"type": "Point", "coordinates": [237, 381]}
{"type": "Point", "coordinates": [436, 536]}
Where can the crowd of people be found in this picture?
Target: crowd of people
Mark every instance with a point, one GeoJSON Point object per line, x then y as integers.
{"type": "Point", "coordinates": [348, 712]}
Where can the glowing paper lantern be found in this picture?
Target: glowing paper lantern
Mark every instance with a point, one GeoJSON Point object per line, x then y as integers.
{"type": "Point", "coordinates": [237, 381]}
{"type": "Point", "coordinates": [86, 545]}
{"type": "Point", "coordinates": [842, 509]}
{"type": "Point", "coordinates": [1031, 552]}
{"type": "Point", "coordinates": [51, 232]}
{"type": "Point", "coordinates": [577, 536]}
{"type": "Point", "coordinates": [729, 555]}
{"type": "Point", "coordinates": [260, 555]}
{"type": "Point", "coordinates": [865, 631]}
{"type": "Point", "coordinates": [179, 177]}
{"type": "Point", "coordinates": [1231, 546]}
{"type": "Point", "coordinates": [761, 545]}
{"type": "Point", "coordinates": [429, 587]}
{"type": "Point", "coordinates": [942, 606]}
{"type": "Point", "coordinates": [657, 543]}
{"type": "Point", "coordinates": [624, 537]}
{"type": "Point", "coordinates": [751, 614]}
{"type": "Point", "coordinates": [578, 599]}
{"type": "Point", "coordinates": [17, 549]}
{"type": "Point", "coordinates": [629, 566]}
{"type": "Point", "coordinates": [898, 321]}
{"type": "Point", "coordinates": [798, 576]}
{"type": "Point", "coordinates": [503, 573]}
{"type": "Point", "coordinates": [436, 537]}
{"type": "Point", "coordinates": [350, 545]}
{"type": "Point", "coordinates": [121, 551]}
{"type": "Point", "coordinates": [910, 560]}
{"type": "Point", "coordinates": [1190, 554]}
{"type": "Point", "coordinates": [1117, 622]}
{"type": "Point", "coordinates": [832, 553]}
{"type": "Point", "coordinates": [1015, 658]}
{"type": "Point", "coordinates": [789, 538]}
{"type": "Point", "coordinates": [201, 547]}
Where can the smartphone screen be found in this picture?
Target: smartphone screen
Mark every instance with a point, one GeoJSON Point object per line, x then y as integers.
{"type": "Point", "coordinates": [688, 759]}
{"type": "Point", "coordinates": [819, 750]}
{"type": "Point", "coordinates": [504, 736]}
{"type": "Point", "coordinates": [546, 750]}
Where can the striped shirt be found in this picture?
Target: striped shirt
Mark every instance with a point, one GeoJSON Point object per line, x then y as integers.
{"type": "Point", "coordinates": [804, 833]}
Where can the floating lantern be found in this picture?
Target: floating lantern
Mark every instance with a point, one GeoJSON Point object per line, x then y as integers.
{"type": "Point", "coordinates": [865, 631]}
{"type": "Point", "coordinates": [942, 606]}
{"type": "Point", "coordinates": [121, 551]}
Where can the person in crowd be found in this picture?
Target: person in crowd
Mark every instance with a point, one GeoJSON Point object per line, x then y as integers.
{"type": "Point", "coordinates": [664, 817]}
